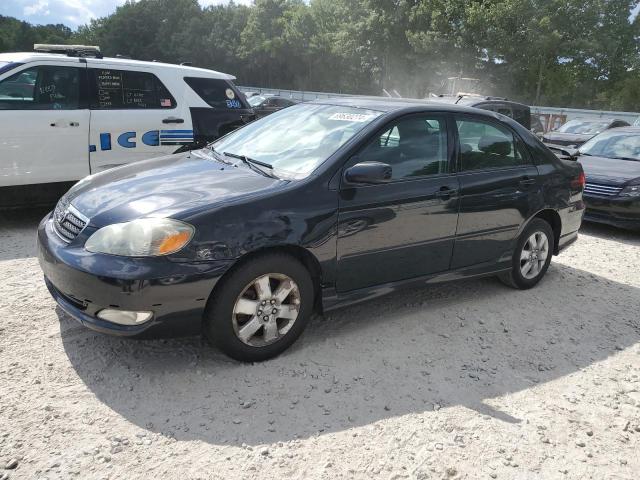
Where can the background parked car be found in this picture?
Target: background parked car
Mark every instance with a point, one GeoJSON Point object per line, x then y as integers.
{"type": "Point", "coordinates": [264, 105]}
{"type": "Point", "coordinates": [611, 162]}
{"type": "Point", "coordinates": [519, 112]}
{"type": "Point", "coordinates": [577, 131]}
{"type": "Point", "coordinates": [536, 126]}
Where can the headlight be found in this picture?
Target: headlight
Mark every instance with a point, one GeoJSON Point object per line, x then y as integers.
{"type": "Point", "coordinates": [630, 191]}
{"type": "Point", "coordinates": [146, 237]}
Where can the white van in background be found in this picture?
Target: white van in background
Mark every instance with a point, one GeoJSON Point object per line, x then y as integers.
{"type": "Point", "coordinates": [67, 112]}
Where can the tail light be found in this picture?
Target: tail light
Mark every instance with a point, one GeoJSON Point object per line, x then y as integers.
{"type": "Point", "coordinates": [579, 182]}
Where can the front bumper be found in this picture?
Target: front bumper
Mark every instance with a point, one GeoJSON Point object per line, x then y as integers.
{"type": "Point", "coordinates": [615, 211]}
{"type": "Point", "coordinates": [83, 283]}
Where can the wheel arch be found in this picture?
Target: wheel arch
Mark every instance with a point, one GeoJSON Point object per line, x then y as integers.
{"type": "Point", "coordinates": [304, 256]}
{"type": "Point", "coordinates": [553, 219]}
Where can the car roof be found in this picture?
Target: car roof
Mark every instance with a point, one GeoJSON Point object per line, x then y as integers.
{"type": "Point", "coordinates": [389, 104]}
{"type": "Point", "coordinates": [26, 57]}
{"type": "Point", "coordinates": [598, 120]}
{"type": "Point", "coordinates": [629, 129]}
{"type": "Point", "coordinates": [472, 100]}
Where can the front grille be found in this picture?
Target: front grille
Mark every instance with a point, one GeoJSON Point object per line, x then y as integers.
{"type": "Point", "coordinates": [67, 221]}
{"type": "Point", "coordinates": [602, 190]}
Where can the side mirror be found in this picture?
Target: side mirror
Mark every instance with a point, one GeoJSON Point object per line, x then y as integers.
{"type": "Point", "coordinates": [369, 173]}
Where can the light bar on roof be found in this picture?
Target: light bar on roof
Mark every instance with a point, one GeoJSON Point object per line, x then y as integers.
{"type": "Point", "coordinates": [45, 47]}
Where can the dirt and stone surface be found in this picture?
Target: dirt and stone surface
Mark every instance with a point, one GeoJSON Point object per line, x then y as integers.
{"type": "Point", "coordinates": [463, 380]}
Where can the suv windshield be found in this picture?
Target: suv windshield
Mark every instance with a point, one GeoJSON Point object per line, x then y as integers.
{"type": "Point", "coordinates": [6, 66]}
{"type": "Point", "coordinates": [296, 140]}
{"type": "Point", "coordinates": [584, 127]}
{"type": "Point", "coordinates": [613, 144]}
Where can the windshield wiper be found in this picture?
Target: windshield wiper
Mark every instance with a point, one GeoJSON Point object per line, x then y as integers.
{"type": "Point", "coordinates": [627, 158]}
{"type": "Point", "coordinates": [253, 164]}
{"type": "Point", "coordinates": [217, 155]}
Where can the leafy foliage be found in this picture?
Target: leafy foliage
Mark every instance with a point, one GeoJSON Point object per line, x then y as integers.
{"type": "Point", "coordinates": [573, 53]}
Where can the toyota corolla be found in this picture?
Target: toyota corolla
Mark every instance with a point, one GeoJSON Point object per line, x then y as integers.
{"type": "Point", "coordinates": [317, 206]}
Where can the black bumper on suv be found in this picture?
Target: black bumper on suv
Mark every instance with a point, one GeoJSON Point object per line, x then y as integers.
{"type": "Point", "coordinates": [84, 283]}
{"type": "Point", "coordinates": [615, 211]}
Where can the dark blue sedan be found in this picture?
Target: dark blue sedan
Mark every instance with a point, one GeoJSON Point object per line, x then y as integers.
{"type": "Point", "coordinates": [317, 206]}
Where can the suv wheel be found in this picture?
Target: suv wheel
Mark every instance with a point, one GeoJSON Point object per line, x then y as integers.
{"type": "Point", "coordinates": [531, 257]}
{"type": "Point", "coordinates": [261, 308]}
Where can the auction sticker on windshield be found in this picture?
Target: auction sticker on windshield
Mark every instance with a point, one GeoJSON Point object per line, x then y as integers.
{"type": "Point", "coordinates": [351, 117]}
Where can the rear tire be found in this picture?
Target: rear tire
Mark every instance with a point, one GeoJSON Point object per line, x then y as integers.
{"type": "Point", "coordinates": [531, 257]}
{"type": "Point", "coordinates": [261, 308]}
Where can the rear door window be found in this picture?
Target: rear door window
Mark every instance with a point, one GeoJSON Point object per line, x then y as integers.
{"type": "Point", "coordinates": [216, 92]}
{"type": "Point", "coordinates": [124, 89]}
{"type": "Point", "coordinates": [486, 145]}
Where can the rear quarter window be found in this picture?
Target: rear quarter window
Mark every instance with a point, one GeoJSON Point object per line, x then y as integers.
{"type": "Point", "coordinates": [126, 89]}
{"type": "Point", "coordinates": [217, 93]}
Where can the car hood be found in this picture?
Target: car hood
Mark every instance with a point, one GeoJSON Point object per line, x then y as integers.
{"type": "Point", "coordinates": [162, 187]}
{"type": "Point", "coordinates": [566, 138]}
{"type": "Point", "coordinates": [609, 171]}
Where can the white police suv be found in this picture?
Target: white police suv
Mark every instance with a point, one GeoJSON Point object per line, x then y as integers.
{"type": "Point", "coordinates": [67, 112]}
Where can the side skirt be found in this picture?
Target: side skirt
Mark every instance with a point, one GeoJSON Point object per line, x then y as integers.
{"type": "Point", "coordinates": [331, 299]}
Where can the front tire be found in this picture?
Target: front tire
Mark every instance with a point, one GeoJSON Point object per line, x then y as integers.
{"type": "Point", "coordinates": [531, 257]}
{"type": "Point", "coordinates": [260, 308]}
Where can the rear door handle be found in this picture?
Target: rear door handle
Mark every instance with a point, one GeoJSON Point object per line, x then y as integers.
{"type": "Point", "coordinates": [172, 120]}
{"type": "Point", "coordinates": [527, 181]}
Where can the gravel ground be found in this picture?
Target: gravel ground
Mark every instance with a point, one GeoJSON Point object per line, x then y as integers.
{"type": "Point", "coordinates": [463, 380]}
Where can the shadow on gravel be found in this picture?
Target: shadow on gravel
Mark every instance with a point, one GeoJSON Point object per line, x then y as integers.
{"type": "Point", "coordinates": [18, 232]}
{"type": "Point", "coordinates": [463, 344]}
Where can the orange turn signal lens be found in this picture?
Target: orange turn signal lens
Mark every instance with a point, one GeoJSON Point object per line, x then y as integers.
{"type": "Point", "coordinates": [174, 243]}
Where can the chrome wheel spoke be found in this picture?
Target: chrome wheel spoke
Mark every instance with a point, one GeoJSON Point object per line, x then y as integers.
{"type": "Point", "coordinates": [542, 240]}
{"type": "Point", "coordinates": [271, 331]}
{"type": "Point", "coordinates": [246, 306]}
{"type": "Point", "coordinates": [263, 287]}
{"type": "Point", "coordinates": [283, 290]}
{"type": "Point", "coordinates": [533, 271]}
{"type": "Point", "coordinates": [289, 312]}
{"type": "Point", "coordinates": [526, 268]}
{"type": "Point", "coordinates": [526, 253]}
{"type": "Point", "coordinates": [249, 329]}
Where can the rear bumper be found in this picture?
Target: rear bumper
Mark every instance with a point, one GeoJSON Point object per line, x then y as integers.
{"type": "Point", "coordinates": [623, 213]}
{"type": "Point", "coordinates": [83, 283]}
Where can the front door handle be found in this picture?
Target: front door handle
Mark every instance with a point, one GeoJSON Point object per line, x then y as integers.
{"type": "Point", "coordinates": [446, 192]}
{"type": "Point", "coordinates": [62, 124]}
{"type": "Point", "coordinates": [172, 120]}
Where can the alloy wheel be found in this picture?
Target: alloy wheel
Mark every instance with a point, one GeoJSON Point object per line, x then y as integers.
{"type": "Point", "coordinates": [534, 255]}
{"type": "Point", "coordinates": [266, 309]}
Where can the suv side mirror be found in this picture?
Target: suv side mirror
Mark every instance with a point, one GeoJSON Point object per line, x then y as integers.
{"type": "Point", "coordinates": [370, 173]}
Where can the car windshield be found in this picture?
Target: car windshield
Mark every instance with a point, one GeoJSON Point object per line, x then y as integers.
{"type": "Point", "coordinates": [296, 140]}
{"type": "Point", "coordinates": [584, 126]}
{"type": "Point", "coordinates": [256, 100]}
{"type": "Point", "coordinates": [613, 144]}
